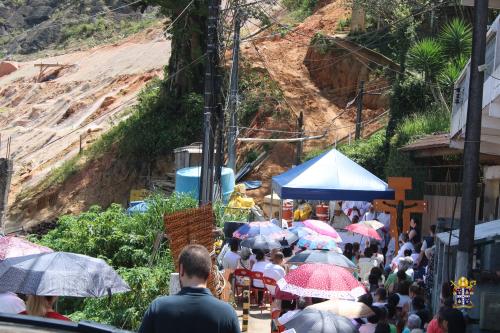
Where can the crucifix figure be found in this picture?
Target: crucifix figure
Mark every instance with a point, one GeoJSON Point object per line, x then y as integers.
{"type": "Point", "coordinates": [399, 208]}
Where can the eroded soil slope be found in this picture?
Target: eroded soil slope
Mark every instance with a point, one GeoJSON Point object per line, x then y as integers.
{"type": "Point", "coordinates": [47, 119]}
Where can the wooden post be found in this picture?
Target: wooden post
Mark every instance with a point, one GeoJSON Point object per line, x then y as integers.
{"type": "Point", "coordinates": [246, 308]}
{"type": "Point", "coordinates": [5, 178]}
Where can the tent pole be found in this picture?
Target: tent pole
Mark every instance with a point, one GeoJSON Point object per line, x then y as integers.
{"type": "Point", "coordinates": [272, 203]}
{"type": "Point", "coordinates": [281, 212]}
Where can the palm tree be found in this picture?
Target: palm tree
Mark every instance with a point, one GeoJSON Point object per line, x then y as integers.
{"type": "Point", "coordinates": [456, 39]}
{"type": "Point", "coordinates": [427, 57]}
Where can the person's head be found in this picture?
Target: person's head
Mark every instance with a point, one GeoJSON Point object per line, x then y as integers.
{"type": "Point", "coordinates": [451, 320]}
{"type": "Point", "coordinates": [373, 280]}
{"type": "Point", "coordinates": [374, 247]}
{"type": "Point", "coordinates": [355, 247]}
{"type": "Point", "coordinates": [301, 303]}
{"type": "Point", "coordinates": [413, 223]}
{"type": "Point", "coordinates": [39, 305]}
{"type": "Point", "coordinates": [348, 247]}
{"type": "Point", "coordinates": [418, 303]}
{"type": "Point", "coordinates": [404, 238]}
{"type": "Point", "coordinates": [376, 271]}
{"type": "Point", "coordinates": [366, 299]}
{"type": "Point", "coordinates": [194, 265]}
{"type": "Point", "coordinates": [278, 258]}
{"type": "Point", "coordinates": [234, 245]}
{"type": "Point", "coordinates": [371, 208]}
{"type": "Point", "coordinates": [404, 287]}
{"type": "Point", "coordinates": [415, 290]}
{"type": "Point", "coordinates": [355, 219]}
{"type": "Point", "coordinates": [382, 328]}
{"type": "Point", "coordinates": [401, 275]}
{"type": "Point", "coordinates": [259, 255]}
{"type": "Point", "coordinates": [302, 201]}
{"type": "Point", "coordinates": [392, 303]}
{"type": "Point", "coordinates": [407, 253]}
{"type": "Point", "coordinates": [368, 252]}
{"type": "Point", "coordinates": [432, 229]}
{"type": "Point", "coordinates": [446, 291]}
{"type": "Point", "coordinates": [245, 253]}
{"type": "Point", "coordinates": [418, 247]}
{"type": "Point", "coordinates": [381, 295]}
{"type": "Point", "coordinates": [414, 321]}
{"type": "Point", "coordinates": [404, 263]}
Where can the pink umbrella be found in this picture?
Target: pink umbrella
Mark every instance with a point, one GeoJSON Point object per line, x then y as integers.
{"type": "Point", "coordinates": [364, 229]}
{"type": "Point", "coordinates": [322, 281]}
{"type": "Point", "coordinates": [11, 247]}
{"type": "Point", "coordinates": [322, 228]}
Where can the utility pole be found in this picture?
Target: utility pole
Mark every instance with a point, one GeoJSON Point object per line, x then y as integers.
{"type": "Point", "coordinates": [233, 94]}
{"type": "Point", "coordinates": [300, 126]}
{"type": "Point", "coordinates": [210, 104]}
{"type": "Point", "coordinates": [359, 103]}
{"type": "Point", "coordinates": [472, 142]}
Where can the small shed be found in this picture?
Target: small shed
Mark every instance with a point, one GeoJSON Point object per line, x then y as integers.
{"type": "Point", "coordinates": [188, 156]}
{"type": "Point", "coordinates": [486, 272]}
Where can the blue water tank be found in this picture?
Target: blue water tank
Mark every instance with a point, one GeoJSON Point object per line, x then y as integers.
{"type": "Point", "coordinates": [187, 180]}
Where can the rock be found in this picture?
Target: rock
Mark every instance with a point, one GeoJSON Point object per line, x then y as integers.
{"type": "Point", "coordinates": [7, 67]}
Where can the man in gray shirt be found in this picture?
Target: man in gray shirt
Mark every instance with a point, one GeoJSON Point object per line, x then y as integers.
{"type": "Point", "coordinates": [194, 308]}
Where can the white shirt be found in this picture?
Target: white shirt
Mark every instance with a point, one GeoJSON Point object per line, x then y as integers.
{"type": "Point", "coordinates": [369, 216]}
{"type": "Point", "coordinates": [259, 266]}
{"type": "Point", "coordinates": [10, 303]}
{"type": "Point", "coordinates": [367, 328]}
{"type": "Point", "coordinates": [275, 272]}
{"type": "Point", "coordinates": [231, 260]}
{"type": "Point", "coordinates": [286, 317]}
{"type": "Point", "coordinates": [403, 299]}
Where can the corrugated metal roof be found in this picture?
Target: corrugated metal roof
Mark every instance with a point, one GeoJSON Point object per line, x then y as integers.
{"type": "Point", "coordinates": [487, 230]}
{"type": "Point", "coordinates": [429, 141]}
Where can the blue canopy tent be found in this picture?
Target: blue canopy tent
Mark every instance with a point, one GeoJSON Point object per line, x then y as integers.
{"type": "Point", "coordinates": [330, 176]}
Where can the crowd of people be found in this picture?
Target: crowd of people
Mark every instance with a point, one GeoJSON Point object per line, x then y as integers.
{"type": "Point", "coordinates": [400, 284]}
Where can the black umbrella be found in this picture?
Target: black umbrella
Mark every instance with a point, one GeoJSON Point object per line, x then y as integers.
{"type": "Point", "coordinates": [316, 321]}
{"type": "Point", "coordinates": [262, 243]}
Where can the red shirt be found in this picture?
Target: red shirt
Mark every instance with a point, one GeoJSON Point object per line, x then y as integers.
{"type": "Point", "coordinates": [51, 315]}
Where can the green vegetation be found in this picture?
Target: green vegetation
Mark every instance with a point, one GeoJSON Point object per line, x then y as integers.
{"type": "Point", "coordinates": [300, 8]}
{"type": "Point", "coordinates": [103, 30]}
{"type": "Point", "coordinates": [126, 243]}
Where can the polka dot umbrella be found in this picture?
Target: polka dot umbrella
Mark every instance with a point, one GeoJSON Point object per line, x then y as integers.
{"type": "Point", "coordinates": [322, 281]}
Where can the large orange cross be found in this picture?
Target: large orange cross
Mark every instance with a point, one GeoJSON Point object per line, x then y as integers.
{"type": "Point", "coordinates": [399, 208]}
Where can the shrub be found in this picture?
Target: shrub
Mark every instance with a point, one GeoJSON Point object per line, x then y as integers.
{"type": "Point", "coordinates": [126, 243]}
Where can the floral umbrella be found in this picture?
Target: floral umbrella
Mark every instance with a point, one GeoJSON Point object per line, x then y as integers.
{"type": "Point", "coordinates": [323, 228]}
{"type": "Point", "coordinates": [302, 231]}
{"type": "Point", "coordinates": [364, 229]}
{"type": "Point", "coordinates": [11, 247]}
{"type": "Point", "coordinates": [267, 229]}
{"type": "Point", "coordinates": [317, 242]}
{"type": "Point", "coordinates": [322, 281]}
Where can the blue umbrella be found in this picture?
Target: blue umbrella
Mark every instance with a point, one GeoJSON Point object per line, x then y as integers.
{"type": "Point", "coordinates": [137, 207]}
{"type": "Point", "coordinates": [302, 231]}
{"type": "Point", "coordinates": [60, 274]}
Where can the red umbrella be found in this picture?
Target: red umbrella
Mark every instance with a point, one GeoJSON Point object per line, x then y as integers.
{"type": "Point", "coordinates": [364, 229]}
{"type": "Point", "coordinates": [322, 281]}
{"type": "Point", "coordinates": [11, 247]}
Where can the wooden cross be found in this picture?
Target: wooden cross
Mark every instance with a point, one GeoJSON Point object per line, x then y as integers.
{"type": "Point", "coordinates": [399, 208]}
